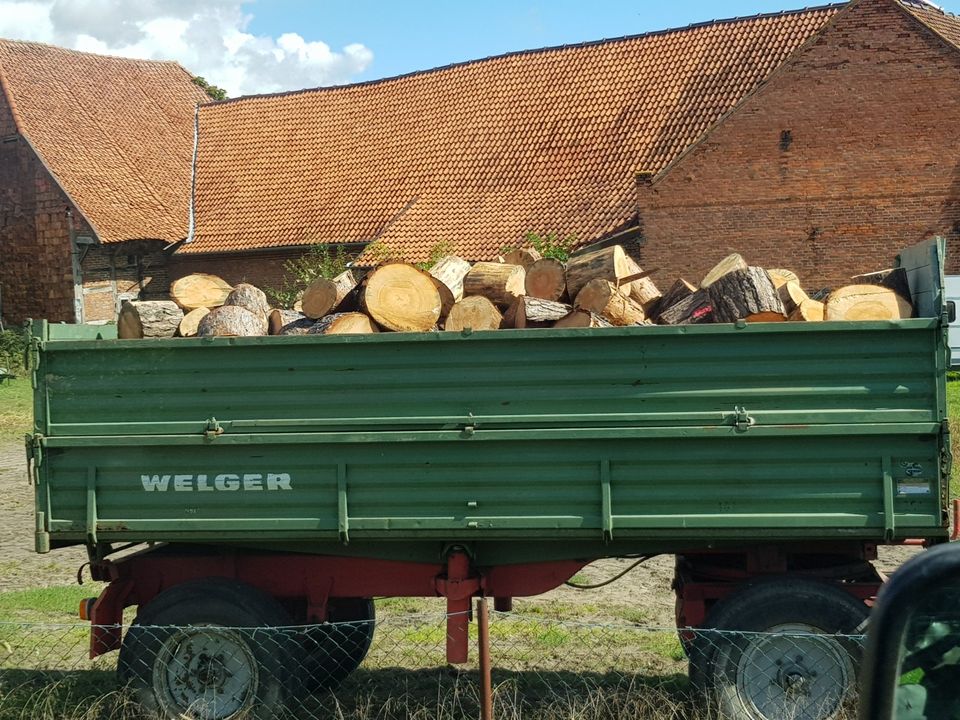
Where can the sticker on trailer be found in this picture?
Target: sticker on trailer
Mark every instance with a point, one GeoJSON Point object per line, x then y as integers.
{"type": "Point", "coordinates": [224, 482]}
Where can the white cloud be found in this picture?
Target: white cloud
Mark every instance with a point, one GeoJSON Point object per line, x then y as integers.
{"type": "Point", "coordinates": [208, 37]}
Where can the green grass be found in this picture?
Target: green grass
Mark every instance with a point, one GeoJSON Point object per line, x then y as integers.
{"type": "Point", "coordinates": [46, 605]}
{"type": "Point", "coordinates": [953, 413]}
{"type": "Point", "coordinates": [16, 408]}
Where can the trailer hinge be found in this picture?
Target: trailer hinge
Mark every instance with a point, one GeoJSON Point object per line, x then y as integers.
{"type": "Point", "coordinates": [742, 421]}
{"type": "Point", "coordinates": [32, 358]}
{"type": "Point", "coordinates": [213, 429]}
{"type": "Point", "coordinates": [946, 454]}
{"type": "Point", "coordinates": [34, 450]}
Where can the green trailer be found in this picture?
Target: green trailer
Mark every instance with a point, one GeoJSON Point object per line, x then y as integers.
{"type": "Point", "coordinates": [771, 458]}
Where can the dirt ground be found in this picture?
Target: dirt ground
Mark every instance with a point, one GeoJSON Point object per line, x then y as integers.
{"type": "Point", "coordinates": [646, 589]}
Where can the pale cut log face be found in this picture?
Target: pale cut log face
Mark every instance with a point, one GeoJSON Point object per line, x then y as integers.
{"type": "Point", "coordinates": [200, 290]}
{"type": "Point", "coordinates": [475, 312]}
{"type": "Point", "coordinates": [190, 322]}
{"type": "Point", "coordinates": [400, 297]}
{"type": "Point", "coordinates": [866, 302]}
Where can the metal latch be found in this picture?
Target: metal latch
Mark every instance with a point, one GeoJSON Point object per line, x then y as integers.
{"type": "Point", "coordinates": [470, 427]}
{"type": "Point", "coordinates": [213, 429]}
{"type": "Point", "coordinates": [742, 421]}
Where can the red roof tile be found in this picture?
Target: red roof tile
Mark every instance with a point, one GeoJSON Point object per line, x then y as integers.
{"type": "Point", "coordinates": [116, 133]}
{"type": "Point", "coordinates": [942, 23]}
{"type": "Point", "coordinates": [480, 153]}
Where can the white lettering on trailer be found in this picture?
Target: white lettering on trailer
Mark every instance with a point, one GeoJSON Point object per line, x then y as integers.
{"type": "Point", "coordinates": [224, 482]}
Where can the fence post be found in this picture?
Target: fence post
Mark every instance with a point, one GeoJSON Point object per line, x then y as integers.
{"type": "Point", "coordinates": [483, 639]}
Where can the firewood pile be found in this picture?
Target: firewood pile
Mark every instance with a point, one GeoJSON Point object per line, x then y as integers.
{"type": "Point", "coordinates": [603, 287]}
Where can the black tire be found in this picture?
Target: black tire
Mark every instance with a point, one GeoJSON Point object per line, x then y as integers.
{"type": "Point", "coordinates": [332, 651]}
{"type": "Point", "coordinates": [189, 655]}
{"type": "Point", "coordinates": [802, 671]}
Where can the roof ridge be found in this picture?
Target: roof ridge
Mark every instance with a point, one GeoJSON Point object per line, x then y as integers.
{"type": "Point", "coordinates": [532, 51]}
{"type": "Point", "coordinates": [924, 4]}
{"type": "Point", "coordinates": [60, 48]}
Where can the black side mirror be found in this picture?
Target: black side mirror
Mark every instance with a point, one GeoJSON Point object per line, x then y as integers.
{"type": "Point", "coordinates": [951, 311]}
{"type": "Point", "coordinates": [911, 670]}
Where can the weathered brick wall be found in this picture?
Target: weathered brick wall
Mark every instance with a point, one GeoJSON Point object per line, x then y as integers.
{"type": "Point", "coordinates": [35, 267]}
{"type": "Point", "coordinates": [264, 269]}
{"type": "Point", "coordinates": [849, 153]}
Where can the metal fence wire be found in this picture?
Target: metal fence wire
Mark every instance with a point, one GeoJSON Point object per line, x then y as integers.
{"type": "Point", "coordinates": [395, 667]}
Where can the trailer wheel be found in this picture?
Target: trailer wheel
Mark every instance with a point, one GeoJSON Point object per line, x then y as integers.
{"type": "Point", "coordinates": [189, 653]}
{"type": "Point", "coordinates": [805, 673]}
{"type": "Point", "coordinates": [334, 650]}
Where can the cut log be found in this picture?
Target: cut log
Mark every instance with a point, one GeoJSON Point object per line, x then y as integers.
{"type": "Point", "coordinates": [475, 312]}
{"type": "Point", "coordinates": [190, 321]}
{"type": "Point", "coordinates": [725, 266]}
{"type": "Point", "coordinates": [791, 295]}
{"type": "Point", "coordinates": [199, 290]}
{"type": "Point", "coordinates": [529, 311]}
{"type": "Point", "coordinates": [893, 278]}
{"type": "Point", "coordinates": [451, 270]}
{"type": "Point", "coordinates": [498, 282]}
{"type": "Point", "coordinates": [608, 263]}
{"type": "Point", "coordinates": [278, 318]}
{"type": "Point", "coordinates": [446, 296]}
{"type": "Point", "coordinates": [740, 294]}
{"type": "Point", "coordinates": [866, 302]}
{"type": "Point", "coordinates": [546, 279]}
{"type": "Point", "coordinates": [807, 311]}
{"type": "Point", "coordinates": [399, 297]}
{"type": "Point", "coordinates": [680, 290]}
{"type": "Point", "coordinates": [323, 294]}
{"type": "Point", "coordinates": [642, 290]}
{"type": "Point", "coordinates": [232, 320]}
{"type": "Point", "coordinates": [351, 323]}
{"type": "Point", "coordinates": [524, 257]}
{"type": "Point", "coordinates": [780, 277]}
{"type": "Point", "coordinates": [582, 318]}
{"type": "Point", "coordinates": [300, 326]}
{"type": "Point", "coordinates": [252, 298]}
{"type": "Point", "coordinates": [148, 319]}
{"type": "Point", "coordinates": [604, 298]}
{"type": "Point", "coordinates": [694, 309]}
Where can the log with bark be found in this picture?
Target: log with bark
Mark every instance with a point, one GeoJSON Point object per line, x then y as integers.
{"type": "Point", "coordinates": [529, 311]}
{"type": "Point", "coordinates": [500, 283]}
{"type": "Point", "coordinates": [680, 290]}
{"type": "Point", "coordinates": [250, 297]}
{"type": "Point", "coordinates": [582, 319]}
{"type": "Point", "coordinates": [604, 298]}
{"type": "Point", "coordinates": [746, 294]}
{"type": "Point", "coordinates": [446, 296]}
{"type": "Point", "coordinates": [350, 323]}
{"type": "Point", "coordinates": [399, 297]}
{"type": "Point", "coordinates": [546, 279]}
{"type": "Point", "coordinates": [866, 302]}
{"type": "Point", "coordinates": [475, 312]}
{"type": "Point", "coordinates": [232, 320]}
{"type": "Point", "coordinates": [730, 263]}
{"type": "Point", "coordinates": [695, 309]}
{"type": "Point", "coordinates": [148, 319]}
{"type": "Point", "coordinates": [451, 270]}
{"type": "Point", "coordinates": [791, 295]}
{"type": "Point", "coordinates": [199, 290]}
{"type": "Point", "coordinates": [524, 257]}
{"type": "Point", "coordinates": [190, 322]}
{"type": "Point", "coordinates": [324, 295]}
{"type": "Point", "coordinates": [608, 263]}
{"type": "Point", "coordinates": [893, 278]}
{"type": "Point", "coordinates": [279, 318]}
{"type": "Point", "coordinates": [807, 311]}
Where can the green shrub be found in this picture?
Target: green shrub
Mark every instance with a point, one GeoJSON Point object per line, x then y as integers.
{"type": "Point", "coordinates": [319, 261]}
{"type": "Point", "coordinates": [13, 345]}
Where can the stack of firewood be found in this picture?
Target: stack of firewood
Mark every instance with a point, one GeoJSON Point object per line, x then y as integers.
{"type": "Point", "coordinates": [602, 287]}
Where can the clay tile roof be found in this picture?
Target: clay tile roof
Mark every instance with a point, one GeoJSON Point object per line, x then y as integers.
{"type": "Point", "coordinates": [117, 134]}
{"type": "Point", "coordinates": [942, 23]}
{"type": "Point", "coordinates": [480, 153]}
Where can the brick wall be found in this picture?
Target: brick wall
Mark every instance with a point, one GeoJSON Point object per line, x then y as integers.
{"type": "Point", "coordinates": [35, 270]}
{"type": "Point", "coordinates": [263, 269]}
{"type": "Point", "coordinates": [848, 154]}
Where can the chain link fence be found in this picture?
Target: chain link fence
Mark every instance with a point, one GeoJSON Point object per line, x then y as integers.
{"type": "Point", "coordinates": [543, 668]}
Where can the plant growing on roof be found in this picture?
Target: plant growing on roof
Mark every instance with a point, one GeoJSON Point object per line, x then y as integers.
{"type": "Point", "coordinates": [438, 251]}
{"type": "Point", "coordinates": [214, 92]}
{"type": "Point", "coordinates": [319, 261]}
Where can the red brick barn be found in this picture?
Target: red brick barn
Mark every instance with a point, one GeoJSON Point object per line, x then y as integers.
{"type": "Point", "coordinates": [95, 157]}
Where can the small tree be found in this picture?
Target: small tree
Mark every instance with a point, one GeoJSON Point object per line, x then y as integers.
{"type": "Point", "coordinates": [212, 91]}
{"type": "Point", "coordinates": [319, 261]}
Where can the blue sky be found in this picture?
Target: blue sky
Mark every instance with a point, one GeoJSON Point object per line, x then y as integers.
{"type": "Point", "coordinates": [420, 34]}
